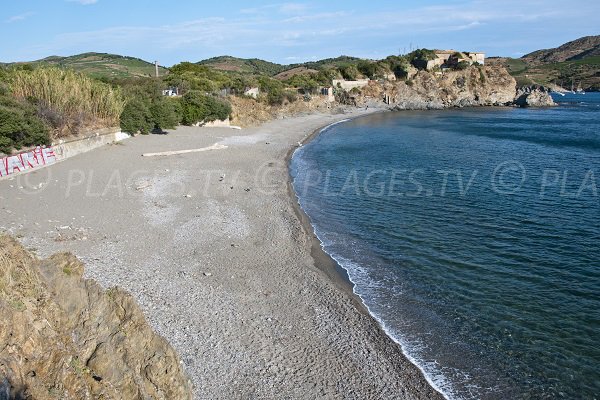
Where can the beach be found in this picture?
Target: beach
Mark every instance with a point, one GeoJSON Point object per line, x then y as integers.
{"type": "Point", "coordinates": [225, 266]}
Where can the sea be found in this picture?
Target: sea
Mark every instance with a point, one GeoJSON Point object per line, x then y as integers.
{"type": "Point", "coordinates": [473, 237]}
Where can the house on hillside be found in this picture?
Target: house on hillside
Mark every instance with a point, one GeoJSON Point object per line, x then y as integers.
{"type": "Point", "coordinates": [171, 92]}
{"type": "Point", "coordinates": [349, 85]}
{"type": "Point", "coordinates": [252, 92]}
{"type": "Point", "coordinates": [445, 59]}
{"type": "Point", "coordinates": [476, 57]}
{"type": "Point", "coordinates": [328, 93]}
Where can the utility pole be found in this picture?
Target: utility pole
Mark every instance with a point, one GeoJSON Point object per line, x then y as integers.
{"type": "Point", "coordinates": [156, 68]}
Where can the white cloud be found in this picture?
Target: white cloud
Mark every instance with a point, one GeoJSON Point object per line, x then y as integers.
{"type": "Point", "coordinates": [20, 17]}
{"type": "Point", "coordinates": [84, 2]}
{"type": "Point", "coordinates": [293, 8]}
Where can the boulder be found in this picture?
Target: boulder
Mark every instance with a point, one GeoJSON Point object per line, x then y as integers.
{"type": "Point", "coordinates": [534, 96]}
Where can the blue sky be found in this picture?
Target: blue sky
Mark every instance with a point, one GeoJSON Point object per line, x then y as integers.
{"type": "Point", "coordinates": [287, 32]}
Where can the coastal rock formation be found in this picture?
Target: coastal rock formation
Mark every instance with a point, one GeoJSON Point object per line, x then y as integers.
{"type": "Point", "coordinates": [64, 337]}
{"type": "Point", "coordinates": [534, 96]}
{"type": "Point", "coordinates": [474, 86]}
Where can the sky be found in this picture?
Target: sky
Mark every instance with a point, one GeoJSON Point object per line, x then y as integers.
{"type": "Point", "coordinates": [287, 32]}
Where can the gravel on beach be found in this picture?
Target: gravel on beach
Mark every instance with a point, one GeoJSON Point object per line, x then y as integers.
{"type": "Point", "coordinates": [211, 247]}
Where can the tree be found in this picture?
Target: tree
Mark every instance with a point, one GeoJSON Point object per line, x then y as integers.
{"type": "Point", "coordinates": [136, 117]}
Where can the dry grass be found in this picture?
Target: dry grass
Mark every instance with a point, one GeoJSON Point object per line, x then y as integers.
{"type": "Point", "coordinates": [248, 112]}
{"type": "Point", "coordinates": [17, 278]}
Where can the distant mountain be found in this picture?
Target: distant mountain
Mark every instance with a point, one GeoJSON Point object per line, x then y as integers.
{"type": "Point", "coordinates": [575, 64]}
{"type": "Point", "coordinates": [328, 62]}
{"type": "Point", "coordinates": [587, 46]}
{"type": "Point", "coordinates": [243, 65]}
{"type": "Point", "coordinates": [262, 67]}
{"type": "Point", "coordinates": [103, 65]}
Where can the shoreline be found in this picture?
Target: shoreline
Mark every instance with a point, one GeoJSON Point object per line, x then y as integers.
{"type": "Point", "coordinates": [214, 251]}
{"type": "Point", "coordinates": [323, 260]}
{"type": "Point", "coordinates": [326, 263]}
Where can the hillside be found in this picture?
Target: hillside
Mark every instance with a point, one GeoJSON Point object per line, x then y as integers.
{"type": "Point", "coordinates": [340, 61]}
{"type": "Point", "coordinates": [256, 66]}
{"type": "Point", "coordinates": [287, 74]}
{"type": "Point", "coordinates": [574, 64]}
{"type": "Point", "coordinates": [243, 65]}
{"type": "Point", "coordinates": [584, 47]}
{"type": "Point", "coordinates": [102, 65]}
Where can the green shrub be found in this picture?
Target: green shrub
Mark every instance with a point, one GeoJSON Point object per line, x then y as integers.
{"type": "Point", "coordinates": [194, 107]}
{"type": "Point", "coordinates": [275, 98]}
{"type": "Point", "coordinates": [350, 72]}
{"type": "Point", "coordinates": [369, 69]}
{"type": "Point", "coordinates": [20, 127]}
{"type": "Point", "coordinates": [197, 107]}
{"type": "Point", "coordinates": [176, 102]}
{"type": "Point", "coordinates": [219, 110]}
{"type": "Point", "coordinates": [462, 65]}
{"type": "Point", "coordinates": [268, 85]}
{"type": "Point", "coordinates": [136, 117]}
{"type": "Point", "coordinates": [164, 114]}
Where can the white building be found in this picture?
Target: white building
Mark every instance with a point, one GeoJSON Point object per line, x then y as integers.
{"type": "Point", "coordinates": [349, 85]}
{"type": "Point", "coordinates": [252, 92]}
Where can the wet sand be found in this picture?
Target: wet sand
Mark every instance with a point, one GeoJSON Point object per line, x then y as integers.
{"type": "Point", "coordinates": [223, 263]}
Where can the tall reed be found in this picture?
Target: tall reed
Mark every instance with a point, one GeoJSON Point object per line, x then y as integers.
{"type": "Point", "coordinates": [72, 98]}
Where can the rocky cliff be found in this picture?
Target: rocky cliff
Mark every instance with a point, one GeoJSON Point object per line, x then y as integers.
{"type": "Point", "coordinates": [474, 86]}
{"type": "Point", "coordinates": [64, 337]}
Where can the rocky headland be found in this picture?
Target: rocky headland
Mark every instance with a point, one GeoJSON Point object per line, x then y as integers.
{"type": "Point", "coordinates": [472, 87]}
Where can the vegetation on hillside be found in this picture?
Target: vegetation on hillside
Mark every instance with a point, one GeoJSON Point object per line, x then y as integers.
{"type": "Point", "coordinates": [243, 65]}
{"type": "Point", "coordinates": [574, 65]}
{"type": "Point", "coordinates": [68, 100]}
{"type": "Point", "coordinates": [38, 104]}
{"type": "Point", "coordinates": [101, 65]}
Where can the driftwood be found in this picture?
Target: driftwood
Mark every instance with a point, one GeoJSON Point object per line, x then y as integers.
{"type": "Point", "coordinates": [215, 146]}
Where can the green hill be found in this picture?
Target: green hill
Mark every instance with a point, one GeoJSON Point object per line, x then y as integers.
{"type": "Point", "coordinates": [576, 63]}
{"type": "Point", "coordinates": [103, 65]}
{"type": "Point", "coordinates": [337, 62]}
{"type": "Point", "coordinates": [243, 65]}
{"type": "Point", "coordinates": [256, 66]}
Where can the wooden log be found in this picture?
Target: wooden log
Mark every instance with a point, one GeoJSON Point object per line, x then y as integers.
{"type": "Point", "coordinates": [215, 146]}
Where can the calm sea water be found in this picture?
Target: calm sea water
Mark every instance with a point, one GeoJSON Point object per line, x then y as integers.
{"type": "Point", "coordinates": [473, 236]}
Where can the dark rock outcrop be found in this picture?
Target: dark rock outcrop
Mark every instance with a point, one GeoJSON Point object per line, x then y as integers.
{"type": "Point", "coordinates": [64, 337]}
